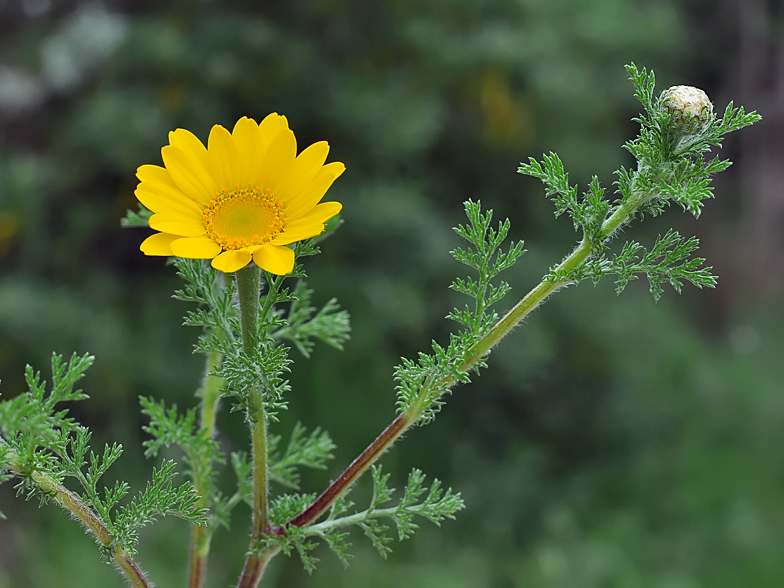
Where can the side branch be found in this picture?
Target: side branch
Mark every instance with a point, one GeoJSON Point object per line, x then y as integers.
{"type": "Point", "coordinates": [481, 348]}
{"type": "Point", "coordinates": [71, 502]}
{"type": "Point", "coordinates": [352, 472]}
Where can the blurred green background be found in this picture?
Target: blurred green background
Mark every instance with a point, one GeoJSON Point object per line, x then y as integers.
{"type": "Point", "coordinates": [614, 441]}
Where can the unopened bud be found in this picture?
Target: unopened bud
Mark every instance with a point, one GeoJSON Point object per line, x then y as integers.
{"type": "Point", "coordinates": [690, 108]}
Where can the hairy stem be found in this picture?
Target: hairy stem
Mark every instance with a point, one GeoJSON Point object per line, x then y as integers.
{"type": "Point", "coordinates": [74, 504]}
{"type": "Point", "coordinates": [261, 524]}
{"type": "Point", "coordinates": [520, 310]}
{"type": "Point", "coordinates": [210, 393]}
{"type": "Point", "coordinates": [200, 534]}
{"type": "Point", "coordinates": [248, 288]}
{"type": "Point", "coordinates": [622, 215]}
{"type": "Point", "coordinates": [131, 569]}
{"type": "Point", "coordinates": [254, 568]}
{"type": "Point", "coordinates": [352, 472]}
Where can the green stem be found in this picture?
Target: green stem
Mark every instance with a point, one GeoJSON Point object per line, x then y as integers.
{"type": "Point", "coordinates": [201, 535]}
{"type": "Point", "coordinates": [622, 215]}
{"type": "Point", "coordinates": [210, 393]}
{"type": "Point", "coordinates": [520, 310]}
{"type": "Point", "coordinates": [74, 504]}
{"type": "Point", "coordinates": [261, 524]}
{"type": "Point", "coordinates": [248, 288]}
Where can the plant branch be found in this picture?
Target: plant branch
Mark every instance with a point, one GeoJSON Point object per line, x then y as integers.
{"type": "Point", "coordinates": [482, 347]}
{"type": "Point", "coordinates": [352, 472]}
{"type": "Point", "coordinates": [74, 504]}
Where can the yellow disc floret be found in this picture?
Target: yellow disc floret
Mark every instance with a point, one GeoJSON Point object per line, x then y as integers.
{"type": "Point", "coordinates": [243, 217]}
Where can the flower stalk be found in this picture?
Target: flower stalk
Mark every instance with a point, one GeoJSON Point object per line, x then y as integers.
{"type": "Point", "coordinates": [248, 289]}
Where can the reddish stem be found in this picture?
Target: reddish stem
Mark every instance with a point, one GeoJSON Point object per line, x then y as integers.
{"type": "Point", "coordinates": [350, 475]}
{"type": "Point", "coordinates": [254, 569]}
{"type": "Point", "coordinates": [198, 563]}
{"type": "Point", "coordinates": [131, 570]}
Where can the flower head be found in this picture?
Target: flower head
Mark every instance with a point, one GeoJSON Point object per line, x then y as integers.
{"type": "Point", "coordinates": [244, 197]}
{"type": "Point", "coordinates": [689, 107]}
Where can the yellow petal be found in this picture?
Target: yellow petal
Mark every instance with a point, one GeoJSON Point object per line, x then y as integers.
{"type": "Point", "coordinates": [336, 167]}
{"type": "Point", "coordinates": [269, 128]}
{"type": "Point", "coordinates": [158, 244]}
{"type": "Point", "coordinates": [177, 225]}
{"type": "Point", "coordinates": [190, 144]}
{"type": "Point", "coordinates": [159, 181]}
{"type": "Point", "coordinates": [253, 248]}
{"type": "Point", "coordinates": [177, 203]}
{"type": "Point", "coordinates": [275, 259]}
{"type": "Point", "coordinates": [223, 158]}
{"type": "Point", "coordinates": [304, 170]}
{"type": "Point", "coordinates": [313, 193]}
{"type": "Point", "coordinates": [189, 174]}
{"type": "Point", "coordinates": [248, 140]}
{"type": "Point", "coordinates": [153, 173]}
{"type": "Point", "coordinates": [277, 160]}
{"type": "Point", "coordinates": [195, 248]}
{"type": "Point", "coordinates": [319, 214]}
{"type": "Point", "coordinates": [290, 235]}
{"type": "Point", "coordinates": [231, 261]}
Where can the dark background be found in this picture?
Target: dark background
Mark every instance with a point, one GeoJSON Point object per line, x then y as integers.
{"type": "Point", "coordinates": [614, 441]}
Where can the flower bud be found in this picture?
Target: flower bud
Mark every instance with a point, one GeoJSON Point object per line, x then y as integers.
{"type": "Point", "coordinates": [689, 107]}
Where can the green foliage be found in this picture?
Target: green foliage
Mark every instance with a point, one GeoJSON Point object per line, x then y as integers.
{"type": "Point", "coordinates": [671, 167]}
{"type": "Point", "coordinates": [330, 324]}
{"type": "Point", "coordinates": [485, 257]}
{"type": "Point", "coordinates": [168, 427]}
{"type": "Point", "coordinates": [216, 312]}
{"type": "Point", "coordinates": [31, 420]}
{"type": "Point", "coordinates": [422, 383]}
{"type": "Point", "coordinates": [218, 315]}
{"type": "Point", "coordinates": [40, 439]}
{"type": "Point", "coordinates": [269, 366]}
{"type": "Point", "coordinates": [136, 219]}
{"type": "Point", "coordinates": [432, 503]}
{"type": "Point", "coordinates": [668, 262]}
{"type": "Point", "coordinates": [159, 498]}
{"type": "Point", "coordinates": [588, 213]}
{"type": "Point", "coordinates": [311, 451]}
{"type": "Point", "coordinates": [246, 376]}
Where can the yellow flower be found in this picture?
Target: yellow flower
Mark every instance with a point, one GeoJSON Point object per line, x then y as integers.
{"type": "Point", "coordinates": [244, 197]}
